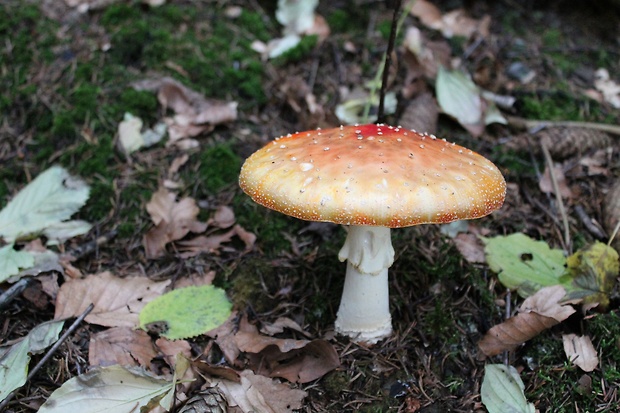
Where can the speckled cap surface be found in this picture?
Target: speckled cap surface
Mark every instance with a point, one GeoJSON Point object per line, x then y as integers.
{"type": "Point", "coordinates": [375, 175]}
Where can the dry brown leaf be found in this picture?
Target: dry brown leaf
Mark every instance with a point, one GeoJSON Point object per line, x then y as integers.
{"type": "Point", "coordinates": [260, 394]}
{"type": "Point", "coordinates": [195, 280]}
{"type": "Point", "coordinates": [173, 220]}
{"type": "Point", "coordinates": [279, 325]}
{"type": "Point", "coordinates": [171, 348]}
{"type": "Point", "coordinates": [117, 301]}
{"type": "Point", "coordinates": [195, 114]}
{"type": "Point", "coordinates": [211, 243]}
{"type": "Point", "coordinates": [580, 351]}
{"type": "Point", "coordinates": [537, 313]}
{"type": "Point", "coordinates": [546, 184]}
{"type": "Point", "coordinates": [224, 336]}
{"type": "Point", "coordinates": [428, 55]}
{"type": "Point", "coordinates": [223, 217]}
{"type": "Point", "coordinates": [421, 114]}
{"type": "Point", "coordinates": [470, 247]}
{"type": "Point", "coordinates": [298, 361]}
{"type": "Point", "coordinates": [453, 23]}
{"type": "Point", "coordinates": [121, 345]}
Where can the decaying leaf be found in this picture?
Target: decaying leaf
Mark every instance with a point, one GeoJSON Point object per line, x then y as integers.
{"type": "Point", "coordinates": [537, 313]}
{"type": "Point", "coordinates": [421, 114]}
{"type": "Point", "coordinates": [580, 351]}
{"type": "Point", "coordinates": [187, 312]}
{"type": "Point", "coordinates": [173, 219]}
{"type": "Point", "coordinates": [351, 111]}
{"type": "Point", "coordinates": [52, 197]}
{"type": "Point", "coordinates": [257, 393]}
{"type": "Point", "coordinates": [211, 243]}
{"type": "Point", "coordinates": [428, 55]}
{"type": "Point", "coordinates": [131, 137]}
{"type": "Point", "coordinates": [502, 390]}
{"type": "Point", "coordinates": [14, 359]}
{"type": "Point", "coordinates": [195, 114]}
{"type": "Point", "coordinates": [459, 97]}
{"type": "Point", "coordinates": [12, 260]}
{"type": "Point", "coordinates": [609, 88]}
{"type": "Point", "coordinates": [124, 346]}
{"type": "Point", "coordinates": [110, 389]}
{"type": "Point", "coordinates": [546, 183]}
{"type": "Point", "coordinates": [117, 301]}
{"type": "Point", "coordinates": [591, 274]}
{"type": "Point", "coordinates": [298, 361]}
{"type": "Point", "coordinates": [453, 23]}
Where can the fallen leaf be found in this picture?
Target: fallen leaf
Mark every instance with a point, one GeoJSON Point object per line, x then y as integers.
{"type": "Point", "coordinates": [298, 361]}
{"type": "Point", "coordinates": [609, 88]}
{"type": "Point", "coordinates": [224, 336]}
{"type": "Point", "coordinates": [194, 114]}
{"type": "Point", "coordinates": [187, 312]}
{"type": "Point", "coordinates": [211, 243]}
{"type": "Point", "coordinates": [171, 348]}
{"type": "Point", "coordinates": [224, 217]}
{"type": "Point", "coordinates": [453, 23]}
{"type": "Point", "coordinates": [173, 219]}
{"type": "Point", "coordinates": [14, 359]}
{"type": "Point", "coordinates": [459, 97]}
{"type": "Point", "coordinates": [52, 197]}
{"type": "Point", "coordinates": [131, 137]}
{"type": "Point", "coordinates": [537, 313]}
{"type": "Point", "coordinates": [117, 301]}
{"type": "Point", "coordinates": [502, 390]}
{"type": "Point", "coordinates": [580, 351]}
{"type": "Point", "coordinates": [124, 346]}
{"type": "Point", "coordinates": [470, 247]}
{"type": "Point", "coordinates": [421, 114]}
{"type": "Point", "coordinates": [61, 231]}
{"type": "Point", "coordinates": [110, 389]}
{"type": "Point", "coordinates": [280, 325]}
{"type": "Point", "coordinates": [12, 260]}
{"type": "Point", "coordinates": [260, 394]}
{"type": "Point", "coordinates": [351, 111]}
{"type": "Point", "coordinates": [428, 54]}
{"type": "Point", "coordinates": [524, 264]}
{"type": "Point", "coordinates": [546, 184]}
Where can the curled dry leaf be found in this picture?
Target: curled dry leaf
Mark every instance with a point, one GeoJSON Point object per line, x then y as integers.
{"type": "Point", "coordinates": [421, 114]}
{"type": "Point", "coordinates": [299, 361]}
{"type": "Point", "coordinates": [580, 351]}
{"type": "Point", "coordinates": [121, 345]}
{"type": "Point", "coordinates": [173, 220]}
{"type": "Point", "coordinates": [546, 183]}
{"type": "Point", "coordinates": [454, 23]}
{"type": "Point", "coordinates": [537, 313]}
{"type": "Point", "coordinates": [195, 114]}
{"type": "Point", "coordinates": [117, 301]}
{"type": "Point", "coordinates": [211, 243]}
{"type": "Point", "coordinates": [257, 393]}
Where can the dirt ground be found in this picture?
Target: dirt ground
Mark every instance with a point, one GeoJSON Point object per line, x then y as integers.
{"type": "Point", "coordinates": [66, 79]}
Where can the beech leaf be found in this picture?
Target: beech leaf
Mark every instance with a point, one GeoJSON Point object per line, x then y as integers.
{"type": "Point", "coordinates": [502, 390]}
{"type": "Point", "coordinates": [580, 351]}
{"type": "Point", "coordinates": [11, 261]}
{"type": "Point", "coordinates": [187, 312]}
{"type": "Point", "coordinates": [52, 197]}
{"type": "Point", "coordinates": [110, 389]}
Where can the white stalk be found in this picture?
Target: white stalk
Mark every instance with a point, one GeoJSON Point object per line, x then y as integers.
{"type": "Point", "coordinates": [364, 313]}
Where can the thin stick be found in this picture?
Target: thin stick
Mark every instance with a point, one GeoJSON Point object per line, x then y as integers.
{"type": "Point", "coordinates": [613, 235]}
{"type": "Point", "coordinates": [388, 61]}
{"type": "Point", "coordinates": [558, 197]}
{"type": "Point", "coordinates": [13, 291]}
{"type": "Point", "coordinates": [50, 352]}
{"type": "Point", "coordinates": [532, 124]}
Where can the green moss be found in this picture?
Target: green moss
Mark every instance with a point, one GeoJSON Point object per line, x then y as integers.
{"type": "Point", "coordinates": [139, 103]}
{"type": "Point", "coordinates": [63, 125]}
{"type": "Point", "coordinates": [254, 24]}
{"type": "Point", "coordinates": [551, 107]}
{"type": "Point", "coordinates": [248, 283]}
{"type": "Point", "coordinates": [120, 13]}
{"type": "Point", "coordinates": [305, 46]}
{"type": "Point", "coordinates": [100, 202]}
{"type": "Point", "coordinates": [84, 100]}
{"type": "Point", "coordinates": [339, 21]}
{"type": "Point", "coordinates": [219, 167]}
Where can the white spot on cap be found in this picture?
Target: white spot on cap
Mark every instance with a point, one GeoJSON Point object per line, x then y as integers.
{"type": "Point", "coordinates": [305, 167]}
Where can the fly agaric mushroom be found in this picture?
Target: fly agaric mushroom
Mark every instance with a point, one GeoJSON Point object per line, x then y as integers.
{"type": "Point", "coordinates": [371, 178]}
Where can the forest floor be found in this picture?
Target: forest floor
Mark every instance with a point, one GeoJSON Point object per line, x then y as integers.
{"type": "Point", "coordinates": [68, 77]}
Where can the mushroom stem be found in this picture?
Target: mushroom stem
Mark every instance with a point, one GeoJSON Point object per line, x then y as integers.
{"type": "Point", "coordinates": [364, 313]}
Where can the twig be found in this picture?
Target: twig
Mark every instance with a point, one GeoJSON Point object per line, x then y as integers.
{"type": "Point", "coordinates": [558, 197]}
{"type": "Point", "coordinates": [533, 124]}
{"type": "Point", "coordinates": [13, 291]}
{"type": "Point", "coordinates": [613, 234]}
{"type": "Point", "coordinates": [50, 352]}
{"type": "Point", "coordinates": [388, 61]}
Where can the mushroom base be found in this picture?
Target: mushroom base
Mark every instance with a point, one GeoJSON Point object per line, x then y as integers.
{"type": "Point", "coordinates": [364, 313]}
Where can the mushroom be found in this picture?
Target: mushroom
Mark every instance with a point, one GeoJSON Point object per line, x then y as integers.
{"type": "Point", "coordinates": [371, 178]}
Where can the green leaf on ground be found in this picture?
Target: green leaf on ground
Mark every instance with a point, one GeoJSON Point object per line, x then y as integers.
{"type": "Point", "coordinates": [14, 360]}
{"type": "Point", "coordinates": [187, 312]}
{"type": "Point", "coordinates": [11, 261]}
{"type": "Point", "coordinates": [50, 198]}
{"type": "Point", "coordinates": [502, 390]}
{"type": "Point", "coordinates": [523, 264]}
{"type": "Point", "coordinates": [110, 389]}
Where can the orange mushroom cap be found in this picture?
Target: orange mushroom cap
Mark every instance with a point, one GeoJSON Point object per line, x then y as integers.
{"type": "Point", "coordinates": [374, 175]}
